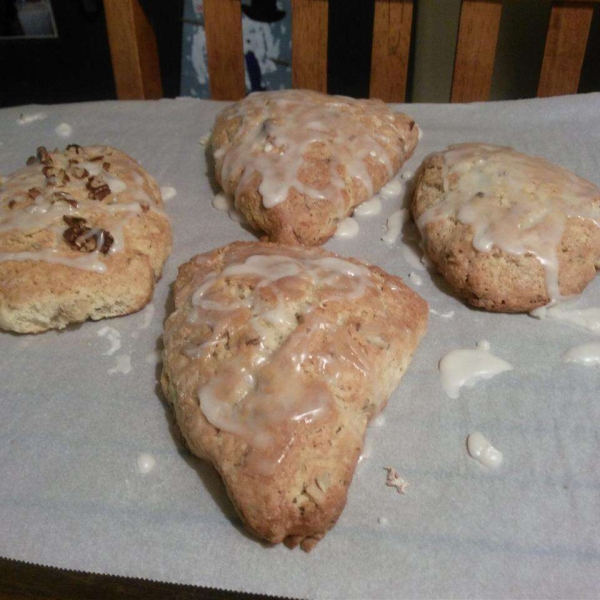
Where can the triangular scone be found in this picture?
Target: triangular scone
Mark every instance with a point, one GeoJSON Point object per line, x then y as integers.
{"type": "Point", "coordinates": [82, 236]}
{"type": "Point", "coordinates": [297, 162]}
{"type": "Point", "coordinates": [275, 360]}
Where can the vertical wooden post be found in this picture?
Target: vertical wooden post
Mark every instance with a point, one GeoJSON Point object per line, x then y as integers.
{"type": "Point", "coordinates": [309, 44]}
{"type": "Point", "coordinates": [392, 27]}
{"type": "Point", "coordinates": [132, 50]}
{"type": "Point", "coordinates": [475, 50]}
{"type": "Point", "coordinates": [565, 49]}
{"type": "Point", "coordinates": [224, 49]}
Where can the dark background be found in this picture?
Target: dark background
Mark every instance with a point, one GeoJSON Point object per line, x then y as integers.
{"type": "Point", "coordinates": [76, 66]}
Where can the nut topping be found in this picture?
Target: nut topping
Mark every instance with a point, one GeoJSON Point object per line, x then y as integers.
{"type": "Point", "coordinates": [97, 188]}
{"type": "Point", "coordinates": [33, 193]}
{"type": "Point", "coordinates": [76, 147]}
{"type": "Point", "coordinates": [62, 197]}
{"type": "Point", "coordinates": [82, 238]}
{"type": "Point", "coordinates": [80, 172]}
{"type": "Point", "coordinates": [32, 160]}
{"type": "Point", "coordinates": [12, 203]}
{"type": "Point", "coordinates": [43, 156]}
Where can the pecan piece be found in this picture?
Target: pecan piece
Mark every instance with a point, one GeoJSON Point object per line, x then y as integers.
{"type": "Point", "coordinates": [74, 221]}
{"type": "Point", "coordinates": [33, 193]}
{"type": "Point", "coordinates": [62, 197]}
{"type": "Point", "coordinates": [78, 149]}
{"type": "Point", "coordinates": [32, 160]}
{"type": "Point", "coordinates": [80, 172]}
{"type": "Point", "coordinates": [81, 238]}
{"type": "Point", "coordinates": [63, 178]}
{"type": "Point", "coordinates": [106, 166]}
{"type": "Point", "coordinates": [12, 203]}
{"type": "Point", "coordinates": [98, 190]}
{"type": "Point", "coordinates": [43, 156]}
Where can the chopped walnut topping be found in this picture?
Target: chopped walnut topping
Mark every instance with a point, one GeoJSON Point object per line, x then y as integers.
{"type": "Point", "coordinates": [106, 166]}
{"type": "Point", "coordinates": [33, 193]}
{"type": "Point", "coordinates": [76, 147]}
{"type": "Point", "coordinates": [96, 158]}
{"type": "Point", "coordinates": [74, 221]}
{"type": "Point", "coordinates": [62, 177]}
{"type": "Point", "coordinates": [32, 160]}
{"type": "Point", "coordinates": [80, 237]}
{"type": "Point", "coordinates": [62, 197]}
{"type": "Point", "coordinates": [12, 203]}
{"type": "Point", "coordinates": [43, 156]}
{"type": "Point", "coordinates": [97, 188]}
{"type": "Point", "coordinates": [49, 172]}
{"type": "Point", "coordinates": [79, 172]}
{"type": "Point", "coordinates": [145, 206]}
{"type": "Point", "coordinates": [394, 480]}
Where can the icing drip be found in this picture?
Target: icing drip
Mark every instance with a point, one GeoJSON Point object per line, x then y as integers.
{"type": "Point", "coordinates": [514, 202]}
{"type": "Point", "coordinates": [585, 354]}
{"type": "Point", "coordinates": [481, 450]}
{"type": "Point", "coordinates": [461, 368]}
{"type": "Point", "coordinates": [276, 381]}
{"type": "Point", "coordinates": [280, 127]}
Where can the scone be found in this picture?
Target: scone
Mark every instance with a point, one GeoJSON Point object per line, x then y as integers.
{"type": "Point", "coordinates": [275, 360]}
{"type": "Point", "coordinates": [297, 162]}
{"type": "Point", "coordinates": [82, 236]}
{"type": "Point", "coordinates": [509, 232]}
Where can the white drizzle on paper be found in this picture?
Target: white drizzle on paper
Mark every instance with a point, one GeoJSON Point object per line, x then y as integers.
{"type": "Point", "coordinates": [25, 119]}
{"type": "Point", "coordinates": [587, 355]}
{"type": "Point", "coordinates": [113, 336]}
{"type": "Point", "coordinates": [482, 451]}
{"type": "Point", "coordinates": [347, 228]}
{"type": "Point", "coordinates": [145, 463]}
{"type": "Point", "coordinates": [465, 367]}
{"type": "Point", "coordinates": [64, 130]}
{"type": "Point", "coordinates": [168, 192]}
{"type": "Point", "coordinates": [587, 318]}
{"type": "Point", "coordinates": [123, 365]}
{"type": "Point", "coordinates": [394, 226]}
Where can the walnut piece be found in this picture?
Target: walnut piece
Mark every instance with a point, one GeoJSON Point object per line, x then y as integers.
{"type": "Point", "coordinates": [78, 236]}
{"type": "Point", "coordinates": [98, 190]}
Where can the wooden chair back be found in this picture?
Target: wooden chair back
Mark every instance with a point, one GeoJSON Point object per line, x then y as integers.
{"type": "Point", "coordinates": [137, 76]}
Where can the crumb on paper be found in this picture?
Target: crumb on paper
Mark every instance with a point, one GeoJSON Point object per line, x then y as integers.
{"type": "Point", "coordinates": [25, 119]}
{"type": "Point", "coordinates": [203, 141]}
{"type": "Point", "coordinates": [394, 480]}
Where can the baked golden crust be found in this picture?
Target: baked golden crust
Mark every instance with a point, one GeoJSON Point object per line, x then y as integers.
{"type": "Point", "coordinates": [497, 280]}
{"type": "Point", "coordinates": [354, 148]}
{"type": "Point", "coordinates": [82, 236]}
{"type": "Point", "coordinates": [310, 342]}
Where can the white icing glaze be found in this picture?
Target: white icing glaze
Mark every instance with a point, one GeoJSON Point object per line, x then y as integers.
{"type": "Point", "coordinates": [394, 226]}
{"type": "Point", "coordinates": [113, 336]}
{"type": "Point", "coordinates": [348, 228]}
{"type": "Point", "coordinates": [145, 463]}
{"type": "Point", "coordinates": [147, 315]}
{"type": "Point", "coordinates": [378, 421]}
{"type": "Point", "coordinates": [514, 202]}
{"type": "Point", "coordinates": [392, 190]}
{"type": "Point", "coordinates": [236, 216]}
{"type": "Point", "coordinates": [463, 368]}
{"type": "Point", "coordinates": [223, 201]}
{"type": "Point", "coordinates": [481, 450]}
{"type": "Point", "coordinates": [412, 255]}
{"type": "Point", "coordinates": [446, 315]}
{"type": "Point", "coordinates": [30, 118]}
{"type": "Point", "coordinates": [584, 354]}
{"type": "Point", "coordinates": [406, 175]}
{"type": "Point", "coordinates": [415, 278]}
{"type": "Point", "coordinates": [203, 141]}
{"type": "Point", "coordinates": [64, 130]}
{"type": "Point", "coordinates": [154, 357]}
{"type": "Point", "coordinates": [123, 365]}
{"type": "Point", "coordinates": [279, 128]}
{"type": "Point", "coordinates": [420, 134]}
{"type": "Point", "coordinates": [244, 396]}
{"type": "Point", "coordinates": [168, 192]}
{"type": "Point", "coordinates": [368, 208]}
{"type": "Point", "coordinates": [588, 318]}
{"type": "Point", "coordinates": [383, 521]}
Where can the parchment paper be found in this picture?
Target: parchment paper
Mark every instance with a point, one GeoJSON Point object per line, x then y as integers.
{"type": "Point", "coordinates": [72, 496]}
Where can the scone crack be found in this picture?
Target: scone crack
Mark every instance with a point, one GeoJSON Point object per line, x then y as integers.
{"type": "Point", "coordinates": [394, 480]}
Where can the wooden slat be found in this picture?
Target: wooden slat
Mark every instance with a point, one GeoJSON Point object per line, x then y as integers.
{"type": "Point", "coordinates": [565, 49]}
{"type": "Point", "coordinates": [391, 46]}
{"type": "Point", "coordinates": [475, 50]}
{"type": "Point", "coordinates": [132, 50]}
{"type": "Point", "coordinates": [224, 49]}
{"type": "Point", "coordinates": [309, 44]}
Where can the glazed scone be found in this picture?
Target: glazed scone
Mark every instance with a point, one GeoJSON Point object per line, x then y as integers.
{"type": "Point", "coordinates": [275, 360]}
{"type": "Point", "coordinates": [508, 231]}
{"type": "Point", "coordinates": [82, 236]}
{"type": "Point", "coordinates": [298, 162]}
